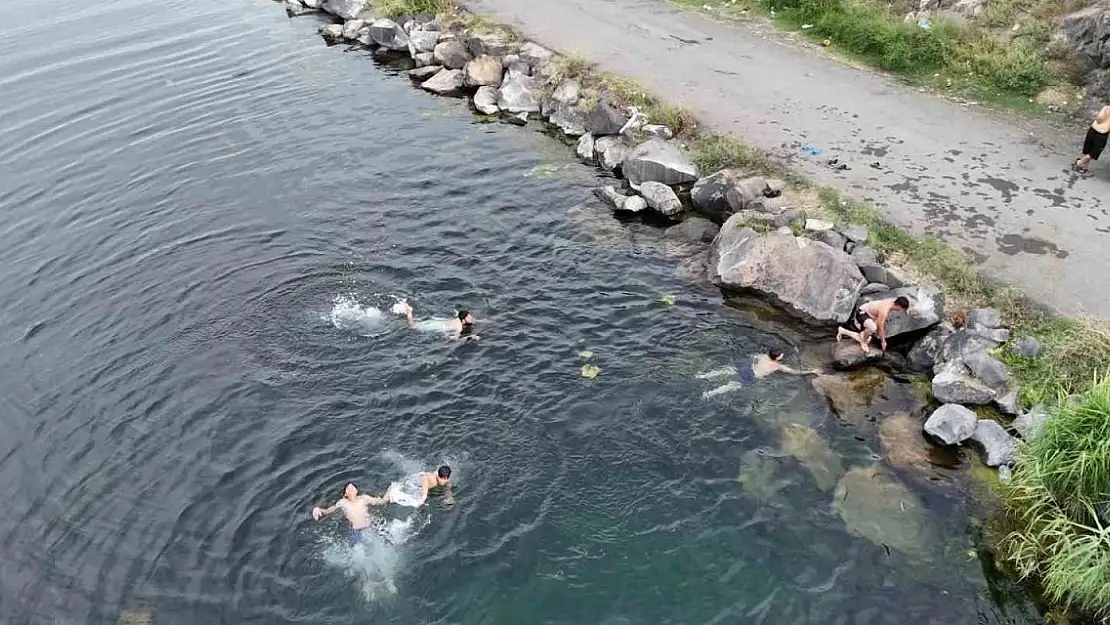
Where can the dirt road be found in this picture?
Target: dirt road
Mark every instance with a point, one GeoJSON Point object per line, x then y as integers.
{"type": "Point", "coordinates": [996, 187]}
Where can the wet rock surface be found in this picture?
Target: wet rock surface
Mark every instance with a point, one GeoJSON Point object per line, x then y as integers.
{"type": "Point", "coordinates": [874, 505]}
{"type": "Point", "coordinates": [951, 424]}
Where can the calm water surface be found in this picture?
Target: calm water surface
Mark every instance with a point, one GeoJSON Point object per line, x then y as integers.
{"type": "Point", "coordinates": [205, 212]}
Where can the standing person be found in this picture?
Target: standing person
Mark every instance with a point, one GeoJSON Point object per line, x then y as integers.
{"type": "Point", "coordinates": [870, 319]}
{"type": "Point", "coordinates": [356, 508]}
{"type": "Point", "coordinates": [461, 326]}
{"type": "Point", "coordinates": [1095, 140]}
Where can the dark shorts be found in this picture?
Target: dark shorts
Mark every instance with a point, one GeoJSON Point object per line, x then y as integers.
{"type": "Point", "coordinates": [746, 374]}
{"type": "Point", "coordinates": [355, 537]}
{"type": "Point", "coordinates": [1095, 143]}
{"type": "Point", "coordinates": [859, 321]}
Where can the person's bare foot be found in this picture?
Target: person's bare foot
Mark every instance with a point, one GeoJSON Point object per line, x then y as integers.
{"type": "Point", "coordinates": [839, 334]}
{"type": "Point", "coordinates": [865, 348]}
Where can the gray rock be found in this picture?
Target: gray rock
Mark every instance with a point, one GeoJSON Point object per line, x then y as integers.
{"type": "Point", "coordinates": [611, 196]}
{"type": "Point", "coordinates": [997, 336]}
{"type": "Point", "coordinates": [313, 4]}
{"type": "Point", "coordinates": [609, 152]}
{"type": "Point", "coordinates": [746, 194]}
{"type": "Point", "coordinates": [1026, 346]}
{"type": "Point", "coordinates": [805, 278]}
{"type": "Point", "coordinates": [693, 230]}
{"type": "Point", "coordinates": [849, 355]}
{"type": "Point", "coordinates": [874, 287]}
{"type": "Point", "coordinates": [855, 233]}
{"type": "Point", "coordinates": [925, 353]}
{"type": "Point", "coordinates": [661, 198]}
{"type": "Point", "coordinates": [369, 14]}
{"type": "Point", "coordinates": [790, 216]}
{"type": "Point", "coordinates": [389, 34]}
{"type": "Point", "coordinates": [451, 54]}
{"type": "Point", "coordinates": [570, 118]}
{"type": "Point", "coordinates": [422, 41]}
{"type": "Point", "coordinates": [519, 93]}
{"type": "Point", "coordinates": [874, 505]}
{"type": "Point", "coordinates": [332, 33]}
{"type": "Point", "coordinates": [951, 424]}
{"type": "Point", "coordinates": [999, 446]}
{"type": "Point", "coordinates": [988, 369]}
{"type": "Point", "coordinates": [1005, 474]}
{"type": "Point", "coordinates": [518, 119]}
{"type": "Point", "coordinates": [709, 194]}
{"type": "Point", "coordinates": [445, 82]}
{"type": "Point", "coordinates": [954, 384]}
{"type": "Point", "coordinates": [606, 119]}
{"type": "Point", "coordinates": [895, 278]}
{"type": "Point", "coordinates": [874, 273]}
{"type": "Point", "coordinates": [658, 131]}
{"type": "Point", "coordinates": [1029, 424]}
{"type": "Point", "coordinates": [352, 28]}
{"type": "Point", "coordinates": [818, 225]}
{"type": "Point", "coordinates": [962, 344]}
{"type": "Point", "coordinates": [1086, 32]}
{"type": "Point", "coordinates": [864, 255]}
{"type": "Point", "coordinates": [926, 309]}
{"type": "Point", "coordinates": [1008, 403]}
{"type": "Point", "coordinates": [534, 54]}
{"type": "Point", "coordinates": [294, 8]}
{"type": "Point", "coordinates": [660, 161]}
{"type": "Point", "coordinates": [482, 71]}
{"type": "Point", "coordinates": [986, 317]}
{"type": "Point", "coordinates": [485, 100]}
{"type": "Point", "coordinates": [425, 59]}
{"type": "Point", "coordinates": [346, 9]}
{"type": "Point", "coordinates": [421, 74]}
{"type": "Point", "coordinates": [635, 204]}
{"type": "Point", "coordinates": [568, 92]}
{"type": "Point", "coordinates": [510, 60]}
{"type": "Point", "coordinates": [496, 44]}
{"type": "Point", "coordinates": [832, 238]}
{"type": "Point", "coordinates": [585, 149]}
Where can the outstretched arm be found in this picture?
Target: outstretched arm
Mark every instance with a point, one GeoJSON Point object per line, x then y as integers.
{"type": "Point", "coordinates": [321, 512]}
{"type": "Point", "coordinates": [792, 371]}
{"type": "Point", "coordinates": [881, 323]}
{"type": "Point", "coordinates": [408, 315]}
{"type": "Point", "coordinates": [377, 501]}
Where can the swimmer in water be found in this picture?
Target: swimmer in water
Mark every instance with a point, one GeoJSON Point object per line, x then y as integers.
{"type": "Point", "coordinates": [440, 479]}
{"type": "Point", "coordinates": [761, 366]}
{"type": "Point", "coordinates": [461, 326]}
{"type": "Point", "coordinates": [356, 507]}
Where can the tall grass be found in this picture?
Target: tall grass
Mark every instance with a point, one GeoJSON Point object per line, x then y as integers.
{"type": "Point", "coordinates": [393, 8]}
{"type": "Point", "coordinates": [1058, 505]}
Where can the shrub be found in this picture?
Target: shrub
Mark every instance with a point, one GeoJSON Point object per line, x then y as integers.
{"type": "Point", "coordinates": [1057, 505]}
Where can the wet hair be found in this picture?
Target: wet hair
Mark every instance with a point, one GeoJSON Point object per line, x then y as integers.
{"type": "Point", "coordinates": [463, 314]}
{"type": "Point", "coordinates": [444, 472]}
{"type": "Point", "coordinates": [902, 302]}
{"type": "Point", "coordinates": [775, 354]}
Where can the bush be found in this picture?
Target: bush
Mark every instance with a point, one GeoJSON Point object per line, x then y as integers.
{"type": "Point", "coordinates": [1057, 505]}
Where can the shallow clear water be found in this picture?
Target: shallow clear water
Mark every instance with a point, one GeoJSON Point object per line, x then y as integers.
{"type": "Point", "coordinates": [208, 215]}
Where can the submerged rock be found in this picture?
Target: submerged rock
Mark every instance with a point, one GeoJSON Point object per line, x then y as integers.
{"type": "Point", "coordinates": [346, 9]}
{"type": "Point", "coordinates": [806, 278]}
{"type": "Point", "coordinates": [999, 446]}
{"type": "Point", "coordinates": [951, 424]}
{"type": "Point", "coordinates": [758, 476]}
{"type": "Point", "coordinates": [519, 93]}
{"type": "Point", "coordinates": [609, 194]}
{"type": "Point", "coordinates": [815, 454]}
{"type": "Point", "coordinates": [138, 616]}
{"type": "Point", "coordinates": [445, 82]}
{"type": "Point", "coordinates": [661, 198]}
{"type": "Point", "coordinates": [451, 54]}
{"type": "Point", "coordinates": [877, 507]}
{"type": "Point", "coordinates": [903, 444]}
{"type": "Point", "coordinates": [693, 230]}
{"type": "Point", "coordinates": [852, 395]}
{"type": "Point", "coordinates": [485, 100]}
{"type": "Point", "coordinates": [660, 161]}
{"type": "Point", "coordinates": [954, 384]}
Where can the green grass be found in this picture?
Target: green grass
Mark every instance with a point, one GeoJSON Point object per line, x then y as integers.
{"type": "Point", "coordinates": [393, 8]}
{"type": "Point", "coordinates": [1074, 352]}
{"type": "Point", "coordinates": [713, 152]}
{"type": "Point", "coordinates": [1056, 505]}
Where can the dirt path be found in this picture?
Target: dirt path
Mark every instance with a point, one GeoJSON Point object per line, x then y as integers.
{"type": "Point", "coordinates": [997, 188]}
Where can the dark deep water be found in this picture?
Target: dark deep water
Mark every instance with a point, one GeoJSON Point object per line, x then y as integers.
{"type": "Point", "coordinates": [201, 205]}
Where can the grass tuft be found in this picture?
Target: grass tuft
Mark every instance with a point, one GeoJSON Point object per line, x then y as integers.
{"type": "Point", "coordinates": [393, 8]}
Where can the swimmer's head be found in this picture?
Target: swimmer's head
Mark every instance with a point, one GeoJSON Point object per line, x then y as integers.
{"type": "Point", "coordinates": [351, 491]}
{"type": "Point", "coordinates": [775, 354]}
{"type": "Point", "coordinates": [902, 303]}
{"type": "Point", "coordinates": [465, 317]}
{"type": "Point", "coordinates": [443, 475]}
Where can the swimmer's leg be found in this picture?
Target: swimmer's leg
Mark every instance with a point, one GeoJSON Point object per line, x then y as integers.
{"type": "Point", "coordinates": [720, 372]}
{"type": "Point", "coordinates": [721, 390]}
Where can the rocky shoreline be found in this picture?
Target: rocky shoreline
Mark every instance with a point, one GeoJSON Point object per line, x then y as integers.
{"type": "Point", "coordinates": [749, 235]}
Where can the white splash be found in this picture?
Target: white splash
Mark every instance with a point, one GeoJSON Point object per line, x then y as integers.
{"type": "Point", "coordinates": [348, 315]}
{"type": "Point", "coordinates": [407, 492]}
{"type": "Point", "coordinates": [377, 560]}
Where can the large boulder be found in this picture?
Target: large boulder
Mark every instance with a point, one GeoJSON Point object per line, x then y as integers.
{"type": "Point", "coordinates": [999, 446]}
{"type": "Point", "coordinates": [815, 454]}
{"type": "Point", "coordinates": [534, 54]}
{"type": "Point", "coordinates": [570, 118]}
{"type": "Point", "coordinates": [951, 424]}
{"type": "Point", "coordinates": [346, 9]}
{"type": "Point", "coordinates": [609, 152]}
{"type": "Point", "coordinates": [389, 34]}
{"type": "Point", "coordinates": [926, 309]}
{"type": "Point", "coordinates": [485, 100]}
{"type": "Point", "coordinates": [422, 41]}
{"type": "Point", "coordinates": [986, 317]}
{"type": "Point", "coordinates": [451, 54]}
{"type": "Point", "coordinates": [1087, 31]}
{"type": "Point", "coordinates": [747, 194]}
{"type": "Point", "coordinates": [953, 383]}
{"type": "Point", "coordinates": [708, 194]}
{"type": "Point", "coordinates": [661, 198]}
{"type": "Point", "coordinates": [963, 344]}
{"type": "Point", "coordinates": [848, 354]}
{"type": "Point", "coordinates": [352, 29]}
{"type": "Point", "coordinates": [876, 506]}
{"type": "Point", "coordinates": [988, 369]}
{"type": "Point", "coordinates": [925, 353]}
{"type": "Point", "coordinates": [446, 82]}
{"type": "Point", "coordinates": [902, 442]}
{"type": "Point", "coordinates": [495, 43]}
{"type": "Point", "coordinates": [520, 93]}
{"type": "Point", "coordinates": [606, 119]}
{"type": "Point", "coordinates": [806, 278]}
{"type": "Point", "coordinates": [693, 230]}
{"type": "Point", "coordinates": [585, 149]}
{"type": "Point", "coordinates": [483, 71]}
{"type": "Point", "coordinates": [660, 161]}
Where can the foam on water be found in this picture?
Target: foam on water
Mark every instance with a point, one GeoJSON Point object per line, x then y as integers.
{"type": "Point", "coordinates": [407, 492]}
{"type": "Point", "coordinates": [349, 315]}
{"type": "Point", "coordinates": [377, 560]}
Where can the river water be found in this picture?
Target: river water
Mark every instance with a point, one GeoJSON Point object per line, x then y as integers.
{"type": "Point", "coordinates": [207, 216]}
